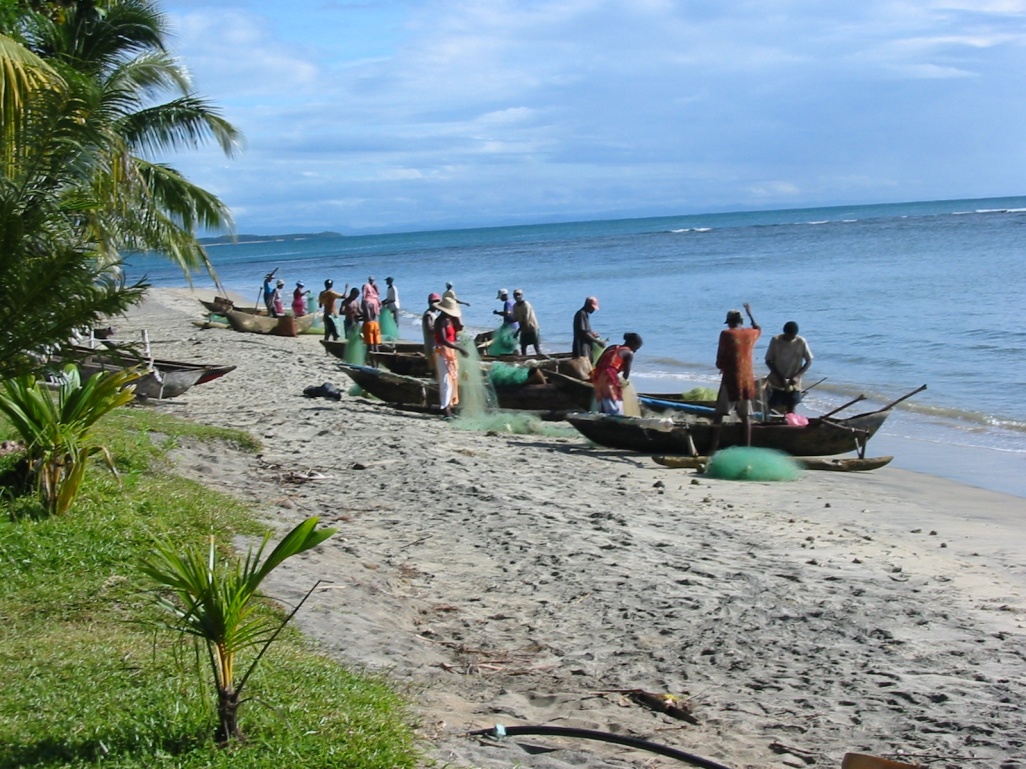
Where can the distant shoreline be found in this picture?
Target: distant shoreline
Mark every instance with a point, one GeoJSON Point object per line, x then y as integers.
{"type": "Point", "coordinates": [239, 240]}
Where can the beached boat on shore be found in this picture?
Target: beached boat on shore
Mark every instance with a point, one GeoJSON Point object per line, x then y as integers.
{"type": "Point", "coordinates": [263, 324]}
{"type": "Point", "coordinates": [422, 393]}
{"type": "Point", "coordinates": [693, 436]}
{"type": "Point", "coordinates": [159, 378]}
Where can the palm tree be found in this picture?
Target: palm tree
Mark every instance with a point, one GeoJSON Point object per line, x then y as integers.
{"type": "Point", "coordinates": [113, 55]}
{"type": "Point", "coordinates": [51, 280]}
{"type": "Point", "coordinates": [212, 600]}
{"type": "Point", "coordinates": [78, 110]}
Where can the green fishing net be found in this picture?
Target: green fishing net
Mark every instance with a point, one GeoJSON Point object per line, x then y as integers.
{"type": "Point", "coordinates": [356, 350]}
{"type": "Point", "coordinates": [699, 394]}
{"type": "Point", "coordinates": [512, 423]}
{"type": "Point", "coordinates": [742, 463]}
{"type": "Point", "coordinates": [503, 342]}
{"type": "Point", "coordinates": [505, 374]}
{"type": "Point", "coordinates": [389, 328]}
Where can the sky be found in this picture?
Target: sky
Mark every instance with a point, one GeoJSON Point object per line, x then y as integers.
{"type": "Point", "coordinates": [364, 116]}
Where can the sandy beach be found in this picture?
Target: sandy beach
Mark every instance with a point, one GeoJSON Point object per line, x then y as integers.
{"type": "Point", "coordinates": [536, 579]}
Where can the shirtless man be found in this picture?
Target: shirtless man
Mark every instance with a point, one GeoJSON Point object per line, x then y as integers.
{"type": "Point", "coordinates": [327, 299]}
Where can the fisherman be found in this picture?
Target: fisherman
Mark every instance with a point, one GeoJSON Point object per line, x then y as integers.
{"type": "Point", "coordinates": [450, 293]}
{"type": "Point", "coordinates": [327, 299]}
{"type": "Point", "coordinates": [584, 338]}
{"type": "Point", "coordinates": [427, 327]}
{"type": "Point", "coordinates": [529, 331]}
{"type": "Point", "coordinates": [615, 361]}
{"type": "Point", "coordinates": [737, 384]}
{"type": "Point", "coordinates": [391, 301]}
{"type": "Point", "coordinates": [507, 310]}
{"type": "Point", "coordinates": [268, 292]}
{"type": "Point", "coordinates": [788, 357]}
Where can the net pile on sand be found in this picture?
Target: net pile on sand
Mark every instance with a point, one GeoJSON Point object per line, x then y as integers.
{"type": "Point", "coordinates": [741, 463]}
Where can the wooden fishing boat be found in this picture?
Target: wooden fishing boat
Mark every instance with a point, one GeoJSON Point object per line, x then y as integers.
{"type": "Point", "coordinates": [417, 364]}
{"type": "Point", "coordinates": [125, 357]}
{"type": "Point", "coordinates": [159, 378]}
{"type": "Point", "coordinates": [263, 324]}
{"type": "Point", "coordinates": [693, 436]}
{"type": "Point", "coordinates": [836, 464]}
{"type": "Point", "coordinates": [417, 392]}
{"type": "Point", "coordinates": [582, 392]}
{"type": "Point", "coordinates": [338, 347]}
{"type": "Point", "coordinates": [221, 304]}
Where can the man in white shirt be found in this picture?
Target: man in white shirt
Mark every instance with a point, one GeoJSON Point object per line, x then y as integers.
{"type": "Point", "coordinates": [788, 357]}
{"type": "Point", "coordinates": [392, 299]}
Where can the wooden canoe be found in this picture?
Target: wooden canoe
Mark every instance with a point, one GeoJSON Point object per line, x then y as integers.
{"type": "Point", "coordinates": [652, 404]}
{"type": "Point", "coordinates": [420, 392]}
{"type": "Point", "coordinates": [220, 305]}
{"type": "Point", "coordinates": [126, 357]}
{"type": "Point", "coordinates": [263, 324]}
{"type": "Point", "coordinates": [836, 464]}
{"type": "Point", "coordinates": [693, 436]}
{"type": "Point", "coordinates": [152, 383]}
{"type": "Point", "coordinates": [417, 364]}
{"type": "Point", "coordinates": [338, 348]}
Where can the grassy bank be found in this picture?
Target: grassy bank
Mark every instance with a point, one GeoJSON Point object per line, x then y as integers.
{"type": "Point", "coordinates": [87, 676]}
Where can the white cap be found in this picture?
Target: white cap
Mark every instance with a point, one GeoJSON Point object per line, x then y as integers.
{"type": "Point", "coordinates": [502, 292]}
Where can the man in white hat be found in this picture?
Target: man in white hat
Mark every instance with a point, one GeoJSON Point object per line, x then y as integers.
{"type": "Point", "coordinates": [507, 311]}
{"type": "Point", "coordinates": [450, 293]}
{"type": "Point", "coordinates": [447, 366]}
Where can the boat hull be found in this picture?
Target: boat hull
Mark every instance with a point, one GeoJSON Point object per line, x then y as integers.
{"type": "Point", "coordinates": [262, 324]}
{"type": "Point", "coordinates": [647, 435]}
{"type": "Point", "coordinates": [423, 393]}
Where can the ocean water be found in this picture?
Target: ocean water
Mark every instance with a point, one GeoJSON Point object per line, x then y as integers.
{"type": "Point", "coordinates": [889, 297]}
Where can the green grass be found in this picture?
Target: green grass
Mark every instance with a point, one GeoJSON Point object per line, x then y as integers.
{"type": "Point", "coordinates": [88, 678]}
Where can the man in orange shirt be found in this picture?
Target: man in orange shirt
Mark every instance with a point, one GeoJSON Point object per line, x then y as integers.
{"type": "Point", "coordinates": [737, 386]}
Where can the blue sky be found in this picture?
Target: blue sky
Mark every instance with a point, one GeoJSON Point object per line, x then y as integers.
{"type": "Point", "coordinates": [402, 115]}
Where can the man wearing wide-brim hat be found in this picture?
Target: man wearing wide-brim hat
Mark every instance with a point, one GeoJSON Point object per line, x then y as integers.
{"type": "Point", "coordinates": [447, 328]}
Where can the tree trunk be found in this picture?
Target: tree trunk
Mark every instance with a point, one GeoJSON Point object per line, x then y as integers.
{"type": "Point", "coordinates": [227, 714]}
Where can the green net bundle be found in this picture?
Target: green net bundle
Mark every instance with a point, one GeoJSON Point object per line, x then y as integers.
{"type": "Point", "coordinates": [503, 342]}
{"type": "Point", "coordinates": [699, 394]}
{"type": "Point", "coordinates": [505, 374]}
{"type": "Point", "coordinates": [356, 350]}
{"type": "Point", "coordinates": [389, 328]}
{"type": "Point", "coordinates": [742, 463]}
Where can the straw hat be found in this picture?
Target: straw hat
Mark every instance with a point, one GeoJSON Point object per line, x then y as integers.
{"type": "Point", "coordinates": [450, 307]}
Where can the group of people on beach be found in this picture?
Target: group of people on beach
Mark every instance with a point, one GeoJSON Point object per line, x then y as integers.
{"type": "Point", "coordinates": [788, 356]}
{"type": "Point", "coordinates": [608, 366]}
